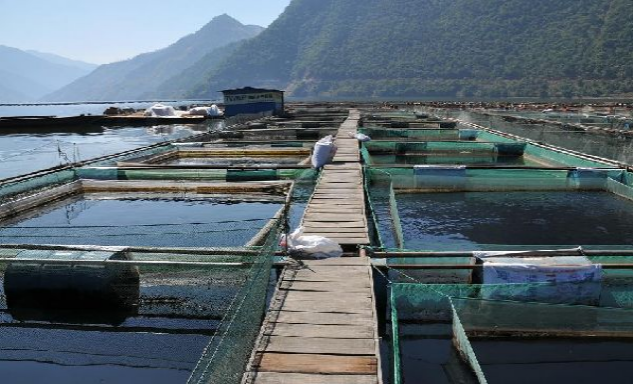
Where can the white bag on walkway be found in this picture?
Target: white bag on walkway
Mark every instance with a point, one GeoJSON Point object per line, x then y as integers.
{"type": "Point", "coordinates": [312, 246]}
{"type": "Point", "coordinates": [323, 152]}
{"type": "Point", "coordinates": [362, 137]}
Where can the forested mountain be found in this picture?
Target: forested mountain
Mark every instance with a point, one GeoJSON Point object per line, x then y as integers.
{"type": "Point", "coordinates": [438, 48]}
{"type": "Point", "coordinates": [25, 77]}
{"type": "Point", "coordinates": [179, 86]}
{"type": "Point", "coordinates": [142, 75]}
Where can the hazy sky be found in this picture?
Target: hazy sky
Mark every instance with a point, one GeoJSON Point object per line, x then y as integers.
{"type": "Point", "coordinates": [106, 31]}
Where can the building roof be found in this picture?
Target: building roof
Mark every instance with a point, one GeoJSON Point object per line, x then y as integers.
{"type": "Point", "coordinates": [248, 90]}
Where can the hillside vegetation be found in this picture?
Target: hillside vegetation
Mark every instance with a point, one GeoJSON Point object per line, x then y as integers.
{"type": "Point", "coordinates": [437, 48]}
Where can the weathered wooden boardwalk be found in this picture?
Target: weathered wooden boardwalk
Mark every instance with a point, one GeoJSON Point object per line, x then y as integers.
{"type": "Point", "coordinates": [321, 326]}
{"type": "Point", "coordinates": [337, 208]}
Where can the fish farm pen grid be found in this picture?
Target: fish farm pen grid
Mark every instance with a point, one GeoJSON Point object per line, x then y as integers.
{"type": "Point", "coordinates": [457, 239]}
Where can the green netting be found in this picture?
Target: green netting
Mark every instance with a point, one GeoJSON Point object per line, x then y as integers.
{"type": "Point", "coordinates": [396, 219]}
{"type": "Point", "coordinates": [128, 155]}
{"type": "Point", "coordinates": [457, 178]}
{"type": "Point", "coordinates": [427, 147]}
{"type": "Point", "coordinates": [503, 310]}
{"type": "Point", "coordinates": [618, 188]}
{"type": "Point", "coordinates": [225, 358]}
{"type": "Point", "coordinates": [426, 134]}
{"type": "Point", "coordinates": [113, 173]}
{"type": "Point", "coordinates": [32, 184]}
{"type": "Point", "coordinates": [563, 158]}
{"type": "Point", "coordinates": [214, 296]}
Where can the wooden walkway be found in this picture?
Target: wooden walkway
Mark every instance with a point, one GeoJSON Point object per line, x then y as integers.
{"type": "Point", "coordinates": [322, 325]}
{"type": "Point", "coordinates": [337, 208]}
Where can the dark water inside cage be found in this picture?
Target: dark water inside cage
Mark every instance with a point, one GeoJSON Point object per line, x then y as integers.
{"type": "Point", "coordinates": [465, 159]}
{"type": "Point", "coordinates": [428, 355]}
{"type": "Point", "coordinates": [468, 221]}
{"type": "Point", "coordinates": [164, 222]}
{"type": "Point", "coordinates": [237, 161]}
{"type": "Point", "coordinates": [555, 360]}
{"type": "Point", "coordinates": [158, 340]}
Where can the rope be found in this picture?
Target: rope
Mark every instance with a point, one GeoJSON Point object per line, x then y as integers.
{"type": "Point", "coordinates": [26, 152]}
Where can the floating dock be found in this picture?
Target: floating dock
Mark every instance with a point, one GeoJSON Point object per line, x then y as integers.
{"type": "Point", "coordinates": [321, 327]}
{"type": "Point", "coordinates": [337, 207]}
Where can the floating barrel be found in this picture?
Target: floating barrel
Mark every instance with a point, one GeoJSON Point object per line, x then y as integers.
{"type": "Point", "coordinates": [34, 287]}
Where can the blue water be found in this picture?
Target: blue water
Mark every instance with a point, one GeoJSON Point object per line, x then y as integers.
{"type": "Point", "coordinates": [166, 222]}
{"type": "Point", "coordinates": [24, 153]}
{"type": "Point", "coordinates": [160, 341]}
{"type": "Point", "coordinates": [80, 108]}
{"type": "Point", "coordinates": [473, 220]}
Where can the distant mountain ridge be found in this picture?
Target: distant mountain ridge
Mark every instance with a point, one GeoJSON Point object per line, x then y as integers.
{"type": "Point", "coordinates": [53, 58]}
{"type": "Point", "coordinates": [437, 48]}
{"type": "Point", "coordinates": [141, 76]}
{"type": "Point", "coordinates": [26, 76]}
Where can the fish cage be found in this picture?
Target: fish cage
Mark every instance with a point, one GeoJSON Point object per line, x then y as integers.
{"type": "Point", "coordinates": [436, 207]}
{"type": "Point", "coordinates": [132, 315]}
{"type": "Point", "coordinates": [422, 134]}
{"type": "Point", "coordinates": [178, 281]}
{"type": "Point", "coordinates": [499, 270]}
{"type": "Point", "coordinates": [511, 333]}
{"type": "Point", "coordinates": [225, 157]}
{"type": "Point", "coordinates": [385, 153]}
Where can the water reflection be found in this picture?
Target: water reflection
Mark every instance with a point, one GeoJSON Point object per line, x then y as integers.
{"type": "Point", "coordinates": [21, 153]}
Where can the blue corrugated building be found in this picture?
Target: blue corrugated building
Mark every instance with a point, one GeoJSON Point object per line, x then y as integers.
{"type": "Point", "coordinates": [249, 100]}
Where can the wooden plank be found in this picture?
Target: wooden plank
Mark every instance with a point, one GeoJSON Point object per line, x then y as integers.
{"type": "Point", "coordinates": [348, 204]}
{"type": "Point", "coordinates": [321, 318]}
{"type": "Point", "coordinates": [330, 275]}
{"type": "Point", "coordinates": [333, 224]}
{"type": "Point", "coordinates": [340, 185]}
{"type": "Point", "coordinates": [337, 235]}
{"type": "Point", "coordinates": [321, 288]}
{"type": "Point", "coordinates": [311, 229]}
{"type": "Point", "coordinates": [321, 331]}
{"type": "Point", "coordinates": [356, 283]}
{"type": "Point", "coordinates": [354, 299]}
{"type": "Point", "coordinates": [333, 209]}
{"type": "Point", "coordinates": [303, 378]}
{"type": "Point", "coordinates": [356, 189]}
{"type": "Point", "coordinates": [339, 261]}
{"type": "Point", "coordinates": [317, 363]}
{"type": "Point", "coordinates": [316, 218]}
{"type": "Point", "coordinates": [317, 268]}
{"type": "Point", "coordinates": [319, 278]}
{"type": "Point", "coordinates": [320, 307]}
{"type": "Point", "coordinates": [351, 241]}
{"type": "Point", "coordinates": [317, 202]}
{"type": "Point", "coordinates": [349, 346]}
{"type": "Point", "coordinates": [342, 218]}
